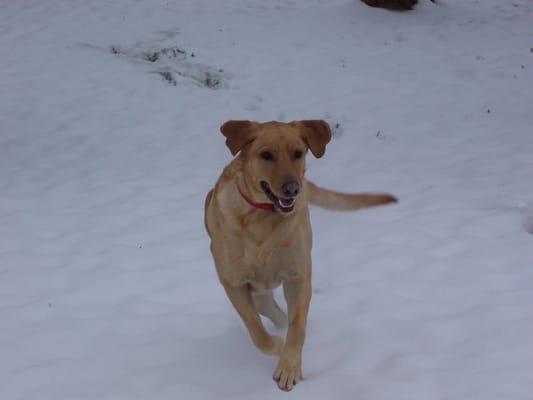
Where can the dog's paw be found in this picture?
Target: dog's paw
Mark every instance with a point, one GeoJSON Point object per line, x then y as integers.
{"type": "Point", "coordinates": [288, 373]}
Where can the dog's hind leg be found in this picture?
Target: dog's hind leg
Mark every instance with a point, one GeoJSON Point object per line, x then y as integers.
{"type": "Point", "coordinates": [241, 298]}
{"type": "Point", "coordinates": [267, 306]}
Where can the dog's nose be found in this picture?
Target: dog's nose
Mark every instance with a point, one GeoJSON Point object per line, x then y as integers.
{"type": "Point", "coordinates": [290, 189]}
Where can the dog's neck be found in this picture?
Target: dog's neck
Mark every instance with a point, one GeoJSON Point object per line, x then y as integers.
{"type": "Point", "coordinates": [261, 206]}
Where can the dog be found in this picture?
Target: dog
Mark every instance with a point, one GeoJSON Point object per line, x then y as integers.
{"type": "Point", "coordinates": [257, 218]}
{"type": "Point", "coordinates": [397, 5]}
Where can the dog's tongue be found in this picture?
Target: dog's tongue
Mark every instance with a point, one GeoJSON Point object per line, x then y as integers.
{"type": "Point", "coordinates": [286, 202]}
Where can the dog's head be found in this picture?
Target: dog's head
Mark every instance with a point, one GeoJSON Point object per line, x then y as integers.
{"type": "Point", "coordinates": [273, 154]}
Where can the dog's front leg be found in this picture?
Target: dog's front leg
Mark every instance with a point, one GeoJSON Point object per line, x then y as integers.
{"type": "Point", "coordinates": [298, 295]}
{"type": "Point", "coordinates": [241, 298]}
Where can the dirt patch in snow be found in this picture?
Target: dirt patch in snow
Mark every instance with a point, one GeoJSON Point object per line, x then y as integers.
{"type": "Point", "coordinates": [172, 64]}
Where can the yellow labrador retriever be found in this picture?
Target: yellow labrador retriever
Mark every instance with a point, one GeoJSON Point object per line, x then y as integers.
{"type": "Point", "coordinates": [258, 220]}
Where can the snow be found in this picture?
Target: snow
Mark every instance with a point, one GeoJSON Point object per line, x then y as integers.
{"type": "Point", "coordinates": [107, 288]}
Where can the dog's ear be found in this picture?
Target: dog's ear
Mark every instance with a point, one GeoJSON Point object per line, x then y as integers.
{"type": "Point", "coordinates": [317, 134]}
{"type": "Point", "coordinates": [238, 134]}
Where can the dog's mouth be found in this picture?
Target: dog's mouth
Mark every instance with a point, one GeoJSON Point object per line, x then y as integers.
{"type": "Point", "coordinates": [283, 204]}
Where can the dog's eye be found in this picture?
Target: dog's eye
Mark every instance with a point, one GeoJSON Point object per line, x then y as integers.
{"type": "Point", "coordinates": [267, 155]}
{"type": "Point", "coordinates": [298, 154]}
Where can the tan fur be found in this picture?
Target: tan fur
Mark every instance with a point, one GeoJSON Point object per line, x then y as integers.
{"type": "Point", "coordinates": [345, 201]}
{"type": "Point", "coordinates": [256, 250]}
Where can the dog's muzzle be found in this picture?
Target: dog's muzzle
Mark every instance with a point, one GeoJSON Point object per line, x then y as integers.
{"type": "Point", "coordinates": [284, 204]}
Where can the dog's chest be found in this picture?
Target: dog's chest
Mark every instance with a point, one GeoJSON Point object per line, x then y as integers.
{"type": "Point", "coordinates": [262, 251]}
{"type": "Point", "coordinates": [261, 277]}
{"type": "Point", "coordinates": [267, 271]}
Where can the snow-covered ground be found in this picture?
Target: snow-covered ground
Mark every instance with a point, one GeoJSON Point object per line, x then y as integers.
{"type": "Point", "coordinates": [109, 141]}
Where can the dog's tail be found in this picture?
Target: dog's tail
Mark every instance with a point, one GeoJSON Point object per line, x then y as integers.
{"type": "Point", "coordinates": [330, 200]}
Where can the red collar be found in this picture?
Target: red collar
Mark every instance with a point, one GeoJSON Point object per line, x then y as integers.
{"type": "Point", "coordinates": [261, 206]}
